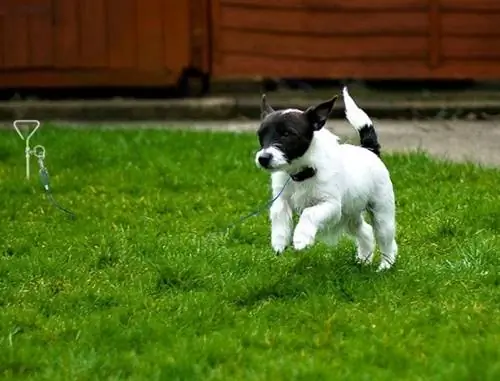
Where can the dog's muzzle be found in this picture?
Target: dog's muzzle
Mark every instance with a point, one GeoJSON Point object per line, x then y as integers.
{"type": "Point", "coordinates": [264, 159]}
{"type": "Point", "coordinates": [270, 158]}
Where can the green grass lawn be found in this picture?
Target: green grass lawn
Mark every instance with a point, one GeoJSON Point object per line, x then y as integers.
{"type": "Point", "coordinates": [144, 284]}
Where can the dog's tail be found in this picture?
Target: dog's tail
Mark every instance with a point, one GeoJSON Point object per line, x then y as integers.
{"type": "Point", "coordinates": [362, 123]}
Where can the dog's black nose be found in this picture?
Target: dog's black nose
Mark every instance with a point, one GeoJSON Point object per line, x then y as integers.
{"type": "Point", "coordinates": [265, 159]}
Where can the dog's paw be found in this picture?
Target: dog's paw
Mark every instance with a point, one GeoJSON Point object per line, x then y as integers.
{"type": "Point", "coordinates": [303, 236]}
{"type": "Point", "coordinates": [364, 258]}
{"type": "Point", "coordinates": [302, 241]}
{"type": "Point", "coordinates": [279, 247]}
{"type": "Point", "coordinates": [384, 265]}
{"type": "Point", "coordinates": [280, 241]}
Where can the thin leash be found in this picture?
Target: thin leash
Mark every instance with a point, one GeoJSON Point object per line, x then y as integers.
{"type": "Point", "coordinates": [258, 210]}
{"type": "Point", "coordinates": [45, 181]}
{"type": "Point", "coordinates": [39, 153]}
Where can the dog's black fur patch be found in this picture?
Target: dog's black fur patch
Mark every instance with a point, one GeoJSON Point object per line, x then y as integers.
{"type": "Point", "coordinates": [291, 131]}
{"type": "Point", "coordinates": [368, 139]}
{"type": "Point", "coordinates": [303, 175]}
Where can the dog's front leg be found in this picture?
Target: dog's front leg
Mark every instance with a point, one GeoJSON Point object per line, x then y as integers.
{"type": "Point", "coordinates": [281, 225]}
{"type": "Point", "coordinates": [312, 219]}
{"type": "Point", "coordinates": [280, 213]}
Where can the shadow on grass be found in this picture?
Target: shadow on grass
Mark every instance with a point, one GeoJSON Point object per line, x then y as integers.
{"type": "Point", "coordinates": [338, 276]}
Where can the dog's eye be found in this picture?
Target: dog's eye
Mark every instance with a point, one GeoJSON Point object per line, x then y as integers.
{"type": "Point", "coordinates": [285, 134]}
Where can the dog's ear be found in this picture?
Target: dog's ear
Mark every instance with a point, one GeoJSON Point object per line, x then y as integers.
{"type": "Point", "coordinates": [318, 115]}
{"type": "Point", "coordinates": [265, 109]}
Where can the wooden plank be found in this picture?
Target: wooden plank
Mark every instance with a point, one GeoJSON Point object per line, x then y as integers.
{"type": "Point", "coordinates": [2, 41]}
{"type": "Point", "coordinates": [237, 66]}
{"type": "Point", "coordinates": [176, 51]}
{"type": "Point", "coordinates": [216, 29]}
{"type": "Point", "coordinates": [86, 78]}
{"type": "Point", "coordinates": [471, 48]}
{"type": "Point", "coordinates": [122, 33]}
{"type": "Point", "coordinates": [41, 34]}
{"type": "Point", "coordinates": [325, 23]}
{"type": "Point", "coordinates": [67, 36]}
{"type": "Point", "coordinates": [16, 38]}
{"type": "Point", "coordinates": [200, 35]}
{"type": "Point", "coordinates": [338, 5]}
{"type": "Point", "coordinates": [471, 24]}
{"type": "Point", "coordinates": [470, 5]}
{"type": "Point", "coordinates": [323, 48]}
{"type": "Point", "coordinates": [25, 7]}
{"type": "Point", "coordinates": [92, 19]}
{"type": "Point", "coordinates": [150, 34]}
{"type": "Point", "coordinates": [434, 35]}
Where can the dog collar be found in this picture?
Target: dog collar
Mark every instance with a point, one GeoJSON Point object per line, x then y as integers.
{"type": "Point", "coordinates": [305, 174]}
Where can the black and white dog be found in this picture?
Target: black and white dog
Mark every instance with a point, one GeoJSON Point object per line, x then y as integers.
{"type": "Point", "coordinates": [332, 184]}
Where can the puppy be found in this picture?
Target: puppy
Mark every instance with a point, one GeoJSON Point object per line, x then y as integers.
{"type": "Point", "coordinates": [329, 184]}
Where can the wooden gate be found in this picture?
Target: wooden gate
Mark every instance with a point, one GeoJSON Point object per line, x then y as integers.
{"type": "Point", "coordinates": [382, 39]}
{"type": "Point", "coordinates": [54, 43]}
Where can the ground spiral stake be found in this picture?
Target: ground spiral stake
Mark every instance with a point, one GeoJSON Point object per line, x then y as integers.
{"type": "Point", "coordinates": [39, 152]}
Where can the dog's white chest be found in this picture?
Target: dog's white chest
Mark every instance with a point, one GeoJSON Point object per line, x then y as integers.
{"type": "Point", "coordinates": [304, 195]}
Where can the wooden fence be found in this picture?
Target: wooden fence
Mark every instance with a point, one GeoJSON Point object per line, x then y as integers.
{"type": "Point", "coordinates": [54, 43]}
{"type": "Point", "coordinates": [357, 39]}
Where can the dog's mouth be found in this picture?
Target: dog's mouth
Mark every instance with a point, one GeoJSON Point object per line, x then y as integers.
{"type": "Point", "coordinates": [271, 167]}
{"type": "Point", "coordinates": [271, 159]}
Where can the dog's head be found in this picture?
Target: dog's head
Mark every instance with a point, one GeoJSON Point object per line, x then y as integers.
{"type": "Point", "coordinates": [285, 135]}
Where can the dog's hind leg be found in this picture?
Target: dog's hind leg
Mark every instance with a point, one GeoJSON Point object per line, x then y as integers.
{"type": "Point", "coordinates": [365, 241]}
{"type": "Point", "coordinates": [384, 224]}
